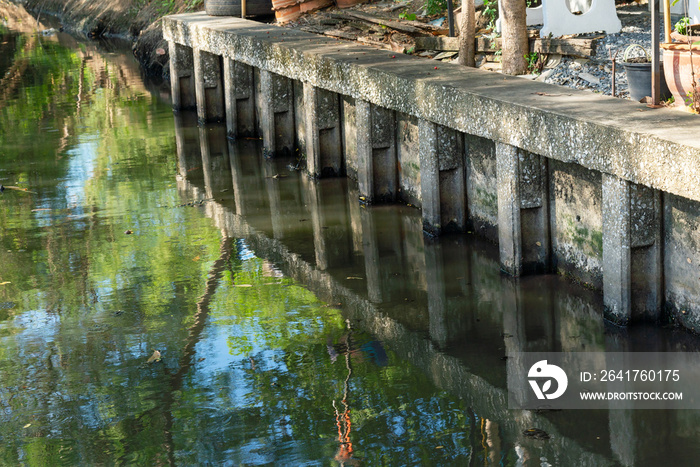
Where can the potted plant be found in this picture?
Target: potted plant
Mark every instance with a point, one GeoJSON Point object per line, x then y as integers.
{"type": "Point", "coordinates": [682, 64]}
{"type": "Point", "coordinates": [638, 70]}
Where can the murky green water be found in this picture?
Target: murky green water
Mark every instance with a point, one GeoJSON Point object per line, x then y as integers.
{"type": "Point", "coordinates": [295, 327]}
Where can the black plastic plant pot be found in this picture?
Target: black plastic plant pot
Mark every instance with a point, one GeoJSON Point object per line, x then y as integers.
{"type": "Point", "coordinates": [639, 80]}
{"type": "Point", "coordinates": [233, 7]}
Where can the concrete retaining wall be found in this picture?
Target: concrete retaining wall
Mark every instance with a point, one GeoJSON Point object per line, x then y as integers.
{"type": "Point", "coordinates": [603, 190]}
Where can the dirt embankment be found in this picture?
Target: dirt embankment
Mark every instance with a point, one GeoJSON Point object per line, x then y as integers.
{"type": "Point", "coordinates": [138, 20]}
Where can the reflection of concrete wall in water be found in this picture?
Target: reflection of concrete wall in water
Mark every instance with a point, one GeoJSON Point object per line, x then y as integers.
{"type": "Point", "coordinates": [575, 183]}
{"type": "Point", "coordinates": [504, 316]}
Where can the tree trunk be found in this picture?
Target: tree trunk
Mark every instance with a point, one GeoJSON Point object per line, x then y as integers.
{"type": "Point", "coordinates": [467, 33]}
{"type": "Point", "coordinates": [515, 41]}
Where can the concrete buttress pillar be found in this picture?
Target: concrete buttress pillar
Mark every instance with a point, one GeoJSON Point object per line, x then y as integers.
{"type": "Point", "coordinates": [534, 213]}
{"type": "Point", "coordinates": [208, 86]}
{"type": "Point", "coordinates": [277, 113]}
{"type": "Point", "coordinates": [182, 76]}
{"type": "Point", "coordinates": [441, 155]}
{"type": "Point", "coordinates": [239, 91]}
{"type": "Point", "coordinates": [509, 233]}
{"type": "Point", "coordinates": [376, 152]}
{"type": "Point", "coordinates": [646, 252]}
{"type": "Point", "coordinates": [429, 176]}
{"type": "Point", "coordinates": [617, 259]}
{"type": "Point", "coordinates": [322, 132]}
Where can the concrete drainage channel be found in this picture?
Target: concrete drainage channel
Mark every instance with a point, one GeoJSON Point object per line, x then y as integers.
{"type": "Point", "coordinates": [603, 190]}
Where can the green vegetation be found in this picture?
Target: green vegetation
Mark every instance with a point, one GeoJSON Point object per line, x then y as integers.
{"type": "Point", "coordinates": [532, 58]}
{"type": "Point", "coordinates": [682, 25]}
{"type": "Point", "coordinates": [434, 7]}
{"type": "Point", "coordinates": [490, 11]}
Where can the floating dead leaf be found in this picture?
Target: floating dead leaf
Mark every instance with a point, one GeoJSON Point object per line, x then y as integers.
{"type": "Point", "coordinates": [244, 285]}
{"type": "Point", "coordinates": [5, 283]}
{"type": "Point", "coordinates": [41, 209]}
{"type": "Point", "coordinates": [154, 358]}
{"type": "Point", "coordinates": [27, 425]}
{"type": "Point", "coordinates": [196, 258]}
{"type": "Point", "coordinates": [160, 51]}
{"type": "Point", "coordinates": [354, 278]}
{"type": "Point", "coordinates": [538, 243]}
{"type": "Point", "coordinates": [128, 232]}
{"type": "Point", "coordinates": [439, 447]}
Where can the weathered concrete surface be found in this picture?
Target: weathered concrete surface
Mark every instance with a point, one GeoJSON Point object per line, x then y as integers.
{"type": "Point", "coordinates": [277, 113]}
{"type": "Point", "coordinates": [509, 233]}
{"type": "Point", "coordinates": [450, 153]}
{"type": "Point", "coordinates": [682, 260]}
{"type": "Point", "coordinates": [376, 152]}
{"type": "Point", "coordinates": [430, 176]}
{"type": "Point", "coordinates": [482, 195]}
{"type": "Point", "coordinates": [349, 134]}
{"type": "Point", "coordinates": [646, 241]}
{"type": "Point", "coordinates": [209, 87]}
{"type": "Point", "coordinates": [239, 92]}
{"type": "Point", "coordinates": [659, 149]}
{"type": "Point", "coordinates": [534, 212]}
{"type": "Point", "coordinates": [322, 128]}
{"type": "Point", "coordinates": [407, 153]}
{"type": "Point", "coordinates": [576, 222]}
{"type": "Point", "coordinates": [182, 76]}
{"type": "Point", "coordinates": [617, 250]}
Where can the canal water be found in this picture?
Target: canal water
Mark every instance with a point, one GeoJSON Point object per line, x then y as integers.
{"type": "Point", "coordinates": [169, 296]}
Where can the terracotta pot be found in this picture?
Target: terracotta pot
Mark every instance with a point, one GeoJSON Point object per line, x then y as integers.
{"type": "Point", "coordinates": [679, 66]}
{"type": "Point", "coordinates": [311, 5]}
{"type": "Point", "coordinates": [287, 14]}
{"type": "Point", "coordinates": [683, 39]}
{"type": "Point", "coordinates": [281, 4]}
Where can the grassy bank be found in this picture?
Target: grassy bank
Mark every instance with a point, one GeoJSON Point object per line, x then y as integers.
{"type": "Point", "coordinates": [138, 20]}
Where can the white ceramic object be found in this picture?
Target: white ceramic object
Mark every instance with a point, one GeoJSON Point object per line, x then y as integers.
{"type": "Point", "coordinates": [558, 19]}
{"type": "Point", "coordinates": [534, 16]}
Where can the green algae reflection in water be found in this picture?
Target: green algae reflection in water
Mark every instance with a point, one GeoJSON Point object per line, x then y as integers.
{"type": "Point", "coordinates": [254, 368]}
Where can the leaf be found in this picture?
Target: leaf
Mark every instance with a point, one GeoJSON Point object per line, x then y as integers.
{"type": "Point", "coordinates": [155, 357]}
{"type": "Point", "coordinates": [27, 425]}
{"type": "Point", "coordinates": [547, 385]}
{"type": "Point", "coordinates": [5, 283]}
